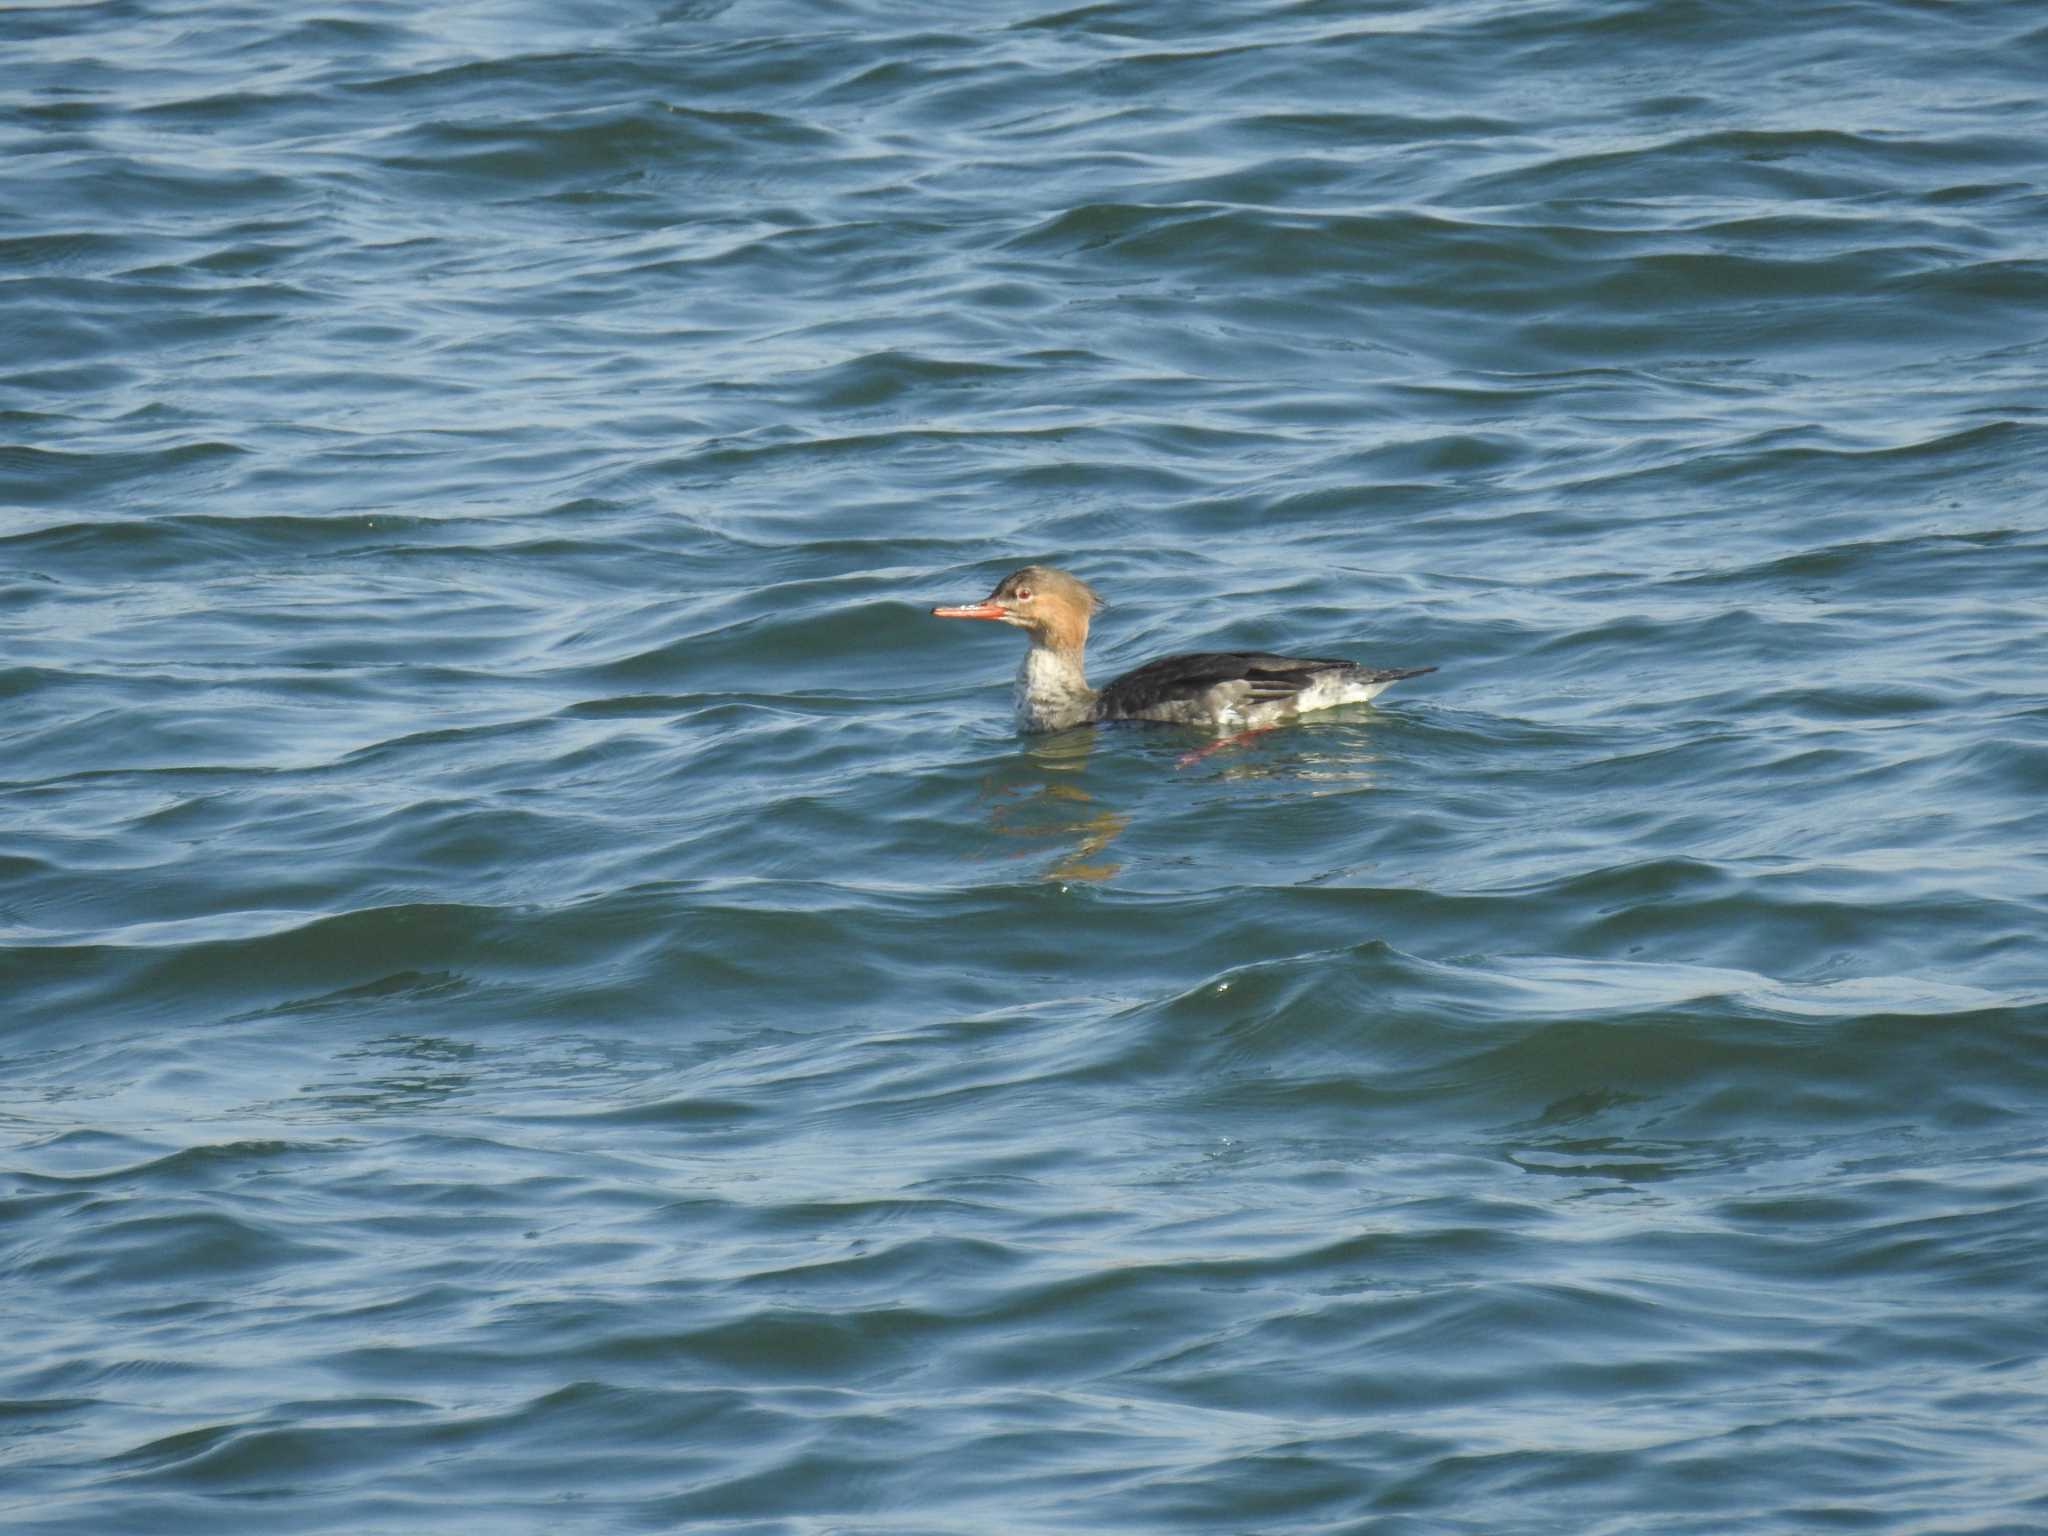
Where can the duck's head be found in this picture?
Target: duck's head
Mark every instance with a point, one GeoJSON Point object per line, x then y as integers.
{"type": "Point", "coordinates": [1052, 605]}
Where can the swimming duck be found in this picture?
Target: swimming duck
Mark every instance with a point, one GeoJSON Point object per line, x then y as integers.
{"type": "Point", "coordinates": [1225, 690]}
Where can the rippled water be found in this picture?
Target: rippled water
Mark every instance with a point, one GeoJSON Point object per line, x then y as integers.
{"type": "Point", "coordinates": [542, 994]}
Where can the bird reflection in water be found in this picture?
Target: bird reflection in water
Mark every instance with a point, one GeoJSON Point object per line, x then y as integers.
{"type": "Point", "coordinates": [1032, 802]}
{"type": "Point", "coordinates": [1026, 804]}
{"type": "Point", "coordinates": [1339, 759]}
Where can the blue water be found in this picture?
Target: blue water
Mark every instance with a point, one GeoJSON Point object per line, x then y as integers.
{"type": "Point", "coordinates": [539, 991]}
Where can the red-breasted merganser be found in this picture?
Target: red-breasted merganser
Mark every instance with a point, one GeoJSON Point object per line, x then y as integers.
{"type": "Point", "coordinates": [1229, 690]}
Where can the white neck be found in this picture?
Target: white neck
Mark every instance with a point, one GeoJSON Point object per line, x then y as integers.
{"type": "Point", "coordinates": [1052, 691]}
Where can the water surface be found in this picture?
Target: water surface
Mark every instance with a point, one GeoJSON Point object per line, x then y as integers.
{"type": "Point", "coordinates": [542, 994]}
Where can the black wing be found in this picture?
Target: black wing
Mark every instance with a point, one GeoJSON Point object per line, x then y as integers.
{"type": "Point", "coordinates": [1188, 678]}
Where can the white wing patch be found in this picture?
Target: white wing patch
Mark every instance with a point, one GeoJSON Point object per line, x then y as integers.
{"type": "Point", "coordinates": [1333, 688]}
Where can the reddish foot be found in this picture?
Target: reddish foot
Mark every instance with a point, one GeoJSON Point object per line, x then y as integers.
{"type": "Point", "coordinates": [1190, 758]}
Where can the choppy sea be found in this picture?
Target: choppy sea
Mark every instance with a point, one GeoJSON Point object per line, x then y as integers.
{"type": "Point", "coordinates": [541, 993]}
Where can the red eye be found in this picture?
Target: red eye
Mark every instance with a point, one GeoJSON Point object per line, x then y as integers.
{"type": "Point", "coordinates": [1023, 594]}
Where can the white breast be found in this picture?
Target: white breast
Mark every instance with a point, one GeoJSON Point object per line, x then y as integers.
{"type": "Point", "coordinates": [1051, 692]}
